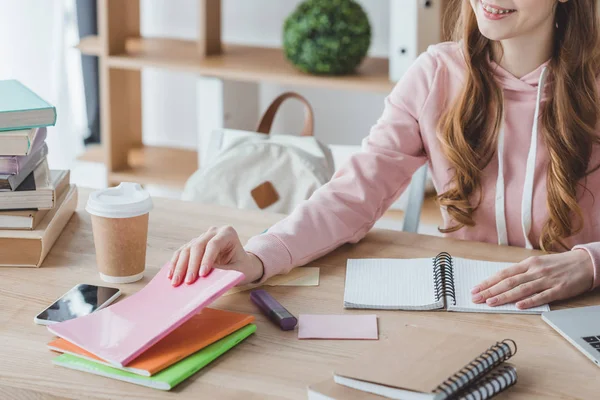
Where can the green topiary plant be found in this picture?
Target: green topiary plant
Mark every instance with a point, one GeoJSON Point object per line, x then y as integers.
{"type": "Point", "coordinates": [329, 37]}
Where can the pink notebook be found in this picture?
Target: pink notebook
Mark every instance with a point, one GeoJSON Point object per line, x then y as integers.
{"type": "Point", "coordinates": [124, 330]}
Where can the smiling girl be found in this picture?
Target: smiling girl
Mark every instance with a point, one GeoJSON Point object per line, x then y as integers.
{"type": "Point", "coordinates": [506, 118]}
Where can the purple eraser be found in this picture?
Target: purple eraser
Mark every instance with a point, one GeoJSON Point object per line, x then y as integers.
{"type": "Point", "coordinates": [272, 309]}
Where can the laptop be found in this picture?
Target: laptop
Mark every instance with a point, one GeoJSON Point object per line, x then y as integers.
{"type": "Point", "coordinates": [580, 326]}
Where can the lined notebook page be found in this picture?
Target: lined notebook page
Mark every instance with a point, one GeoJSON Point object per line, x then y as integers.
{"type": "Point", "coordinates": [392, 284]}
{"type": "Point", "coordinates": [469, 273]}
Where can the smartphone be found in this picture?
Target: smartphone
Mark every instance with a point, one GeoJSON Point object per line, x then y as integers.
{"type": "Point", "coordinates": [81, 300]}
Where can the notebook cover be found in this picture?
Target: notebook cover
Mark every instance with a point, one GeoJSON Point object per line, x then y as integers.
{"type": "Point", "coordinates": [168, 378]}
{"type": "Point", "coordinates": [124, 330]}
{"type": "Point", "coordinates": [22, 248]}
{"type": "Point", "coordinates": [200, 331]}
{"type": "Point", "coordinates": [12, 165]}
{"type": "Point", "coordinates": [415, 359]}
{"type": "Point", "coordinates": [17, 98]}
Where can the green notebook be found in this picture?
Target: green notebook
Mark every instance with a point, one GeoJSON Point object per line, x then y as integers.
{"type": "Point", "coordinates": [168, 378]}
{"type": "Point", "coordinates": [21, 108]}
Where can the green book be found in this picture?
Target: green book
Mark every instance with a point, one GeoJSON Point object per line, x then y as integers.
{"type": "Point", "coordinates": [168, 378]}
{"type": "Point", "coordinates": [21, 108]}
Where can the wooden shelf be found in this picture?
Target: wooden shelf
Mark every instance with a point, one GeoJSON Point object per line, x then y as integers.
{"type": "Point", "coordinates": [151, 165]}
{"type": "Point", "coordinates": [125, 53]}
{"type": "Point", "coordinates": [90, 45]}
{"type": "Point", "coordinates": [239, 63]}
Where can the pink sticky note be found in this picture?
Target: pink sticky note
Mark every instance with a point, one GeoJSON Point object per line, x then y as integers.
{"type": "Point", "coordinates": [337, 326]}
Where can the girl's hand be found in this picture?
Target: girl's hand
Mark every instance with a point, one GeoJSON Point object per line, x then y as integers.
{"type": "Point", "coordinates": [217, 247]}
{"type": "Point", "coordinates": [538, 280]}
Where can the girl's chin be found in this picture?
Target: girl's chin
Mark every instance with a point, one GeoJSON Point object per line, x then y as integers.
{"type": "Point", "coordinates": [493, 33]}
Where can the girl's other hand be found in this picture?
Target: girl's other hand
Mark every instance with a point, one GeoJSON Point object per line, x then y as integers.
{"type": "Point", "coordinates": [218, 247]}
{"type": "Point", "coordinates": [538, 280]}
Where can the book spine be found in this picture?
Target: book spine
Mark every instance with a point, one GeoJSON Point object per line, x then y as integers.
{"type": "Point", "coordinates": [443, 277]}
{"type": "Point", "coordinates": [478, 368]}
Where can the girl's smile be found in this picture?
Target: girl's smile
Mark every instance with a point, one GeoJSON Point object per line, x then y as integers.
{"type": "Point", "coordinates": [494, 12]}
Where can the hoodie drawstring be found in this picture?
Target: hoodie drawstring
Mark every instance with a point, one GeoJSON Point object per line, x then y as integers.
{"type": "Point", "coordinates": [527, 199]}
{"type": "Point", "coordinates": [500, 215]}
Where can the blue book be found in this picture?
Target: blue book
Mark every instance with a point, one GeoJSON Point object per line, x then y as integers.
{"type": "Point", "coordinates": [21, 108]}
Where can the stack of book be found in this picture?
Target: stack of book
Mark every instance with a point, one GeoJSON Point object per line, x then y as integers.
{"type": "Point", "coordinates": [35, 202]}
{"type": "Point", "coordinates": [157, 337]}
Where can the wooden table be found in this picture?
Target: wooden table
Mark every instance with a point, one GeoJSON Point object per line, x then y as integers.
{"type": "Point", "coordinates": [271, 363]}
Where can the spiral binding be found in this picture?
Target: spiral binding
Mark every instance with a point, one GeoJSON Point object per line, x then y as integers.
{"type": "Point", "coordinates": [496, 382]}
{"type": "Point", "coordinates": [485, 362]}
{"type": "Point", "coordinates": [443, 277]}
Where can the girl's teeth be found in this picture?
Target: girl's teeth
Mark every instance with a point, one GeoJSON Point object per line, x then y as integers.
{"type": "Point", "coordinates": [495, 10]}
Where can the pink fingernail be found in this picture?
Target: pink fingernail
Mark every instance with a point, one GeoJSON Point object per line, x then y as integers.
{"type": "Point", "coordinates": [476, 289]}
{"type": "Point", "coordinates": [491, 301]}
{"type": "Point", "coordinates": [477, 298]}
{"type": "Point", "coordinates": [189, 278]}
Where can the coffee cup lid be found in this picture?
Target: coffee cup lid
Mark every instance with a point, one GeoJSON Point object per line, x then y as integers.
{"type": "Point", "coordinates": [124, 201]}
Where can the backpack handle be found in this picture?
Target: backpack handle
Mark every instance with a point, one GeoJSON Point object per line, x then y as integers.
{"type": "Point", "coordinates": [264, 126]}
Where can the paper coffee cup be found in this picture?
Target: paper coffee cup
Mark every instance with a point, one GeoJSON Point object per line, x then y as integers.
{"type": "Point", "coordinates": [120, 229]}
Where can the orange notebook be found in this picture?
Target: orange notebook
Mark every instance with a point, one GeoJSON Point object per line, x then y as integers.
{"type": "Point", "coordinates": [198, 332]}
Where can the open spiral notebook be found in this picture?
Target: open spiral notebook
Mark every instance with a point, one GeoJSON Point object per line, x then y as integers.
{"type": "Point", "coordinates": [442, 282]}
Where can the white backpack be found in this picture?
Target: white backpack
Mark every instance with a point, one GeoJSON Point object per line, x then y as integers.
{"type": "Point", "coordinates": [256, 170]}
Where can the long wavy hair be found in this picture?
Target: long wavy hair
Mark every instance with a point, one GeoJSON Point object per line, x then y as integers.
{"type": "Point", "coordinates": [468, 130]}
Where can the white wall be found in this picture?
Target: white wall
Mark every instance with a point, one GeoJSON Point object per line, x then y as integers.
{"type": "Point", "coordinates": [36, 48]}
{"type": "Point", "coordinates": [342, 117]}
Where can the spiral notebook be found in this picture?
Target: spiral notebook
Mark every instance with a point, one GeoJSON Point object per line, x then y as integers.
{"type": "Point", "coordinates": [444, 282]}
{"type": "Point", "coordinates": [424, 364]}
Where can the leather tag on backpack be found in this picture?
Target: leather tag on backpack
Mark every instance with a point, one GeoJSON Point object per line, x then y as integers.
{"type": "Point", "coordinates": [264, 195]}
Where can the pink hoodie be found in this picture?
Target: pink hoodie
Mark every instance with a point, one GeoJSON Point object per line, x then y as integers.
{"type": "Point", "coordinates": [513, 208]}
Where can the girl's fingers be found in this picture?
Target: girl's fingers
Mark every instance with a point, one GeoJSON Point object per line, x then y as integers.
{"type": "Point", "coordinates": [516, 269]}
{"type": "Point", "coordinates": [502, 287]}
{"type": "Point", "coordinates": [194, 264]}
{"type": "Point", "coordinates": [539, 299]}
{"type": "Point", "coordinates": [519, 292]}
{"type": "Point", "coordinates": [213, 249]}
{"type": "Point", "coordinates": [173, 263]}
{"type": "Point", "coordinates": [181, 267]}
{"type": "Point", "coordinates": [196, 254]}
